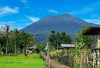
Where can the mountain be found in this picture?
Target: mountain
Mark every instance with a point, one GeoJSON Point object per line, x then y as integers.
{"type": "Point", "coordinates": [60, 23]}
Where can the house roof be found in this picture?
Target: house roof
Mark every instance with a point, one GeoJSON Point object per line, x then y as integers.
{"type": "Point", "coordinates": [92, 31]}
{"type": "Point", "coordinates": [94, 46]}
{"type": "Point", "coordinates": [67, 45]}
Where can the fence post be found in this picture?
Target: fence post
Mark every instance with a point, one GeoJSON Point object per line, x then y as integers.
{"type": "Point", "coordinates": [81, 61]}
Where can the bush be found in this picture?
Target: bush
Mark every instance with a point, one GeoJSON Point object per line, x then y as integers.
{"type": "Point", "coordinates": [62, 52]}
{"type": "Point", "coordinates": [33, 51]}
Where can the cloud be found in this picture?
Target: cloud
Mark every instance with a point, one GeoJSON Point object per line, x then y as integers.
{"type": "Point", "coordinates": [53, 11]}
{"type": "Point", "coordinates": [8, 10]}
{"type": "Point", "coordinates": [95, 21]}
{"type": "Point", "coordinates": [27, 24]}
{"type": "Point", "coordinates": [11, 23]}
{"type": "Point", "coordinates": [87, 9]}
{"type": "Point", "coordinates": [33, 19]}
{"type": "Point", "coordinates": [24, 1]}
{"type": "Point", "coordinates": [94, 16]}
{"type": "Point", "coordinates": [82, 11]}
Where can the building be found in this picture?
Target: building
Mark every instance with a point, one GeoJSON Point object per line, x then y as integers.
{"type": "Point", "coordinates": [95, 47]}
{"type": "Point", "coordinates": [32, 48]}
{"type": "Point", "coordinates": [67, 46]}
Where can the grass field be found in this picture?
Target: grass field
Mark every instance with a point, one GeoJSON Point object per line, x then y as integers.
{"type": "Point", "coordinates": [32, 61]}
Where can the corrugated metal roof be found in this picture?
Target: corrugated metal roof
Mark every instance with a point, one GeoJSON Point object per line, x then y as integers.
{"type": "Point", "coordinates": [67, 45]}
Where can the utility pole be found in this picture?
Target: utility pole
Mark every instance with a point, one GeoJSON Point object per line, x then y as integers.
{"type": "Point", "coordinates": [48, 56]}
{"type": "Point", "coordinates": [71, 41]}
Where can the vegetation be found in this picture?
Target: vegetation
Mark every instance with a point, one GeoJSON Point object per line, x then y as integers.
{"type": "Point", "coordinates": [81, 56]}
{"type": "Point", "coordinates": [14, 41]}
{"type": "Point", "coordinates": [84, 41]}
{"type": "Point", "coordinates": [56, 39]}
{"type": "Point", "coordinates": [31, 61]}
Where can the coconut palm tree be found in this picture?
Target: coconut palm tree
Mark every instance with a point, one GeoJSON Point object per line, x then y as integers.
{"type": "Point", "coordinates": [7, 34]}
{"type": "Point", "coordinates": [16, 37]}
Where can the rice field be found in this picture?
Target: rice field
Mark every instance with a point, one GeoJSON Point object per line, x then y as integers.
{"type": "Point", "coordinates": [31, 61]}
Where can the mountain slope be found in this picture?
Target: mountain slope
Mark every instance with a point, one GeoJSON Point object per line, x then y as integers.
{"type": "Point", "coordinates": [60, 23]}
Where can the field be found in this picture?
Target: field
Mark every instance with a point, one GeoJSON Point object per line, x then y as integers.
{"type": "Point", "coordinates": [32, 61]}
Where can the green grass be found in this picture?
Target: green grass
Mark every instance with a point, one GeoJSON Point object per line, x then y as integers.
{"type": "Point", "coordinates": [32, 61]}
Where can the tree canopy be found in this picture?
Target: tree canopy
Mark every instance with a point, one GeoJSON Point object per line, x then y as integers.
{"type": "Point", "coordinates": [82, 39]}
{"type": "Point", "coordinates": [14, 41]}
{"type": "Point", "coordinates": [56, 39]}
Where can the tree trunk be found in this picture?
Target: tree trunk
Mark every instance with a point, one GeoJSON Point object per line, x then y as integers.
{"type": "Point", "coordinates": [7, 46]}
{"type": "Point", "coordinates": [19, 50]}
{"type": "Point", "coordinates": [15, 48]}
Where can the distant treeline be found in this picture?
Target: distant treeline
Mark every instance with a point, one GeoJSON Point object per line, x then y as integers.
{"type": "Point", "coordinates": [56, 39]}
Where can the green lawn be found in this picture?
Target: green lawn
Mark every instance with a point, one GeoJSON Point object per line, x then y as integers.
{"type": "Point", "coordinates": [32, 61]}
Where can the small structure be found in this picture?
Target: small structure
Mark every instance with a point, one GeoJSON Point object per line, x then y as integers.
{"type": "Point", "coordinates": [67, 46]}
{"type": "Point", "coordinates": [31, 48]}
{"type": "Point", "coordinates": [95, 47]}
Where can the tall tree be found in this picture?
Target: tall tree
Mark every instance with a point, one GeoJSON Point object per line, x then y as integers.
{"type": "Point", "coordinates": [58, 40]}
{"type": "Point", "coordinates": [63, 38]}
{"type": "Point", "coordinates": [68, 39]}
{"type": "Point", "coordinates": [52, 39]}
{"type": "Point", "coordinates": [16, 33]}
{"type": "Point", "coordinates": [7, 34]}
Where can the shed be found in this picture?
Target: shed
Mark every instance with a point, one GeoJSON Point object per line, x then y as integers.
{"type": "Point", "coordinates": [95, 47]}
{"type": "Point", "coordinates": [67, 46]}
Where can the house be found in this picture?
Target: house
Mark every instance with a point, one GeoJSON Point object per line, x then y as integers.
{"type": "Point", "coordinates": [32, 48]}
{"type": "Point", "coordinates": [67, 46]}
{"type": "Point", "coordinates": [95, 47]}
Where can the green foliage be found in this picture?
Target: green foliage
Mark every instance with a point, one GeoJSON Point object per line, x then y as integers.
{"type": "Point", "coordinates": [33, 51]}
{"type": "Point", "coordinates": [14, 41]}
{"type": "Point", "coordinates": [62, 52]}
{"type": "Point", "coordinates": [41, 47]}
{"type": "Point", "coordinates": [86, 40]}
{"type": "Point", "coordinates": [56, 39]}
{"type": "Point", "coordinates": [76, 66]}
{"type": "Point", "coordinates": [75, 51]}
{"type": "Point", "coordinates": [68, 52]}
{"type": "Point", "coordinates": [21, 61]}
{"type": "Point", "coordinates": [81, 45]}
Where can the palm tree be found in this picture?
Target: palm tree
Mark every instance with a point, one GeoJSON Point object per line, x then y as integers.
{"type": "Point", "coordinates": [7, 34]}
{"type": "Point", "coordinates": [16, 37]}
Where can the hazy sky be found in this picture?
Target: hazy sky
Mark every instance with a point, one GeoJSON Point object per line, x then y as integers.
{"type": "Point", "coordinates": [21, 13]}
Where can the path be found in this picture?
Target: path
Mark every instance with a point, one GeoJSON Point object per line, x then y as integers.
{"type": "Point", "coordinates": [55, 64]}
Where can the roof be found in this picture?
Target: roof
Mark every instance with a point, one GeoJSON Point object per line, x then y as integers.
{"type": "Point", "coordinates": [94, 46]}
{"type": "Point", "coordinates": [92, 31]}
{"type": "Point", "coordinates": [67, 45]}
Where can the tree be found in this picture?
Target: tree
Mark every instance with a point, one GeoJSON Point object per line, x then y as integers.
{"type": "Point", "coordinates": [25, 40]}
{"type": "Point", "coordinates": [68, 39]}
{"type": "Point", "coordinates": [86, 40]}
{"type": "Point", "coordinates": [7, 34]}
{"type": "Point", "coordinates": [15, 34]}
{"type": "Point", "coordinates": [52, 39]}
{"type": "Point", "coordinates": [30, 40]}
{"type": "Point", "coordinates": [63, 38]}
{"type": "Point", "coordinates": [15, 40]}
{"type": "Point", "coordinates": [56, 39]}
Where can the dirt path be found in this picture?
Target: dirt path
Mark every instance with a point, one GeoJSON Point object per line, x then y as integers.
{"type": "Point", "coordinates": [55, 64]}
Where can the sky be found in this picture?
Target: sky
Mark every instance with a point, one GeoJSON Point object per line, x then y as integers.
{"type": "Point", "coordinates": [21, 13]}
